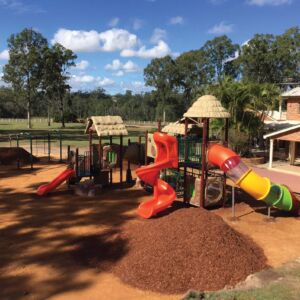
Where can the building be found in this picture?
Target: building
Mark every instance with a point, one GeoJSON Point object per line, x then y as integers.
{"type": "Point", "coordinates": [284, 140]}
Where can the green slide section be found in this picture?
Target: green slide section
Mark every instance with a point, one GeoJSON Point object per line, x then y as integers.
{"type": "Point", "coordinates": [279, 197]}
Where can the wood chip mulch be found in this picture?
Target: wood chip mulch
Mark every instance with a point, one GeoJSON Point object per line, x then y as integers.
{"type": "Point", "coordinates": [190, 248]}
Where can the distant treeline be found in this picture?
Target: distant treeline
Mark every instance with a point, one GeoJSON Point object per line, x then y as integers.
{"type": "Point", "coordinates": [245, 78]}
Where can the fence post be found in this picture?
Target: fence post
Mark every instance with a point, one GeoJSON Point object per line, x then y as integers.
{"type": "Point", "coordinates": [18, 159]}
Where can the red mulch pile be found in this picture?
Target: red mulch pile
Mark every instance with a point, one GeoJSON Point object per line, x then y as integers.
{"type": "Point", "coordinates": [10, 156]}
{"type": "Point", "coordinates": [188, 249]}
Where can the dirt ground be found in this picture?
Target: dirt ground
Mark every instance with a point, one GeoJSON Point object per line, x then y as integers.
{"type": "Point", "coordinates": [41, 237]}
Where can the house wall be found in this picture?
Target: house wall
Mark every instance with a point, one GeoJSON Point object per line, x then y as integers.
{"type": "Point", "coordinates": [293, 108]}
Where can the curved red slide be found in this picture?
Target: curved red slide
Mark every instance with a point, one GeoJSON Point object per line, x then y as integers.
{"type": "Point", "coordinates": [46, 188]}
{"type": "Point", "coordinates": [164, 194]}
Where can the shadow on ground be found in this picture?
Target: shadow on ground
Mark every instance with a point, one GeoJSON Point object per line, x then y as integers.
{"type": "Point", "coordinates": [46, 242]}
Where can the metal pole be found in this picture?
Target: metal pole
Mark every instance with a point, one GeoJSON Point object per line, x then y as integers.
{"type": "Point", "coordinates": [31, 157]}
{"type": "Point", "coordinates": [76, 162]}
{"type": "Point", "coordinates": [233, 202]}
{"type": "Point", "coordinates": [49, 146]}
{"type": "Point", "coordinates": [110, 170]}
{"type": "Point", "coordinates": [60, 147]}
{"type": "Point", "coordinates": [18, 159]}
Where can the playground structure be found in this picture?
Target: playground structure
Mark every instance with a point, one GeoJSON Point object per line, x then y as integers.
{"type": "Point", "coordinates": [197, 152]}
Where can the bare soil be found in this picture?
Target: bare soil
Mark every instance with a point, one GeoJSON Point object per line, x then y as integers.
{"type": "Point", "coordinates": [43, 239]}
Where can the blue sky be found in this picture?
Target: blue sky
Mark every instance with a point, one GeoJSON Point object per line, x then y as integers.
{"type": "Point", "coordinates": [115, 39]}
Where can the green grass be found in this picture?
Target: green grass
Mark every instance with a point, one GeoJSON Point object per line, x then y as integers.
{"type": "Point", "coordinates": [72, 134]}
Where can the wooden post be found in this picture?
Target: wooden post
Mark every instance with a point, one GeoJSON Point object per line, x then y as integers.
{"type": "Point", "coordinates": [159, 125]}
{"type": "Point", "coordinates": [128, 171]}
{"type": "Point", "coordinates": [100, 152]}
{"type": "Point", "coordinates": [185, 159]}
{"type": "Point", "coordinates": [203, 163]}
{"type": "Point", "coordinates": [226, 132]}
{"type": "Point", "coordinates": [146, 147]}
{"type": "Point", "coordinates": [140, 146]}
{"type": "Point", "coordinates": [91, 151]}
{"type": "Point", "coordinates": [121, 159]}
{"type": "Point", "coordinates": [18, 159]}
{"type": "Point", "coordinates": [110, 170]}
{"type": "Point", "coordinates": [68, 153]}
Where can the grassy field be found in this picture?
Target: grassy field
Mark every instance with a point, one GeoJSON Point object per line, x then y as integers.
{"type": "Point", "coordinates": [72, 134]}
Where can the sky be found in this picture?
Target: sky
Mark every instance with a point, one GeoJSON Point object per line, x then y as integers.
{"type": "Point", "coordinates": [114, 40]}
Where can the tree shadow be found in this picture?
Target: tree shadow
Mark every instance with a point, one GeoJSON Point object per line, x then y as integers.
{"type": "Point", "coordinates": [63, 234]}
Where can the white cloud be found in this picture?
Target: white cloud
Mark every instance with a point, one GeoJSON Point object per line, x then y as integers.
{"type": "Point", "coordinates": [268, 2]}
{"type": "Point", "coordinates": [89, 82]}
{"type": "Point", "coordinates": [157, 35]}
{"type": "Point", "coordinates": [82, 65]}
{"type": "Point", "coordinates": [221, 28]}
{"type": "Point", "coordinates": [135, 86]}
{"type": "Point", "coordinates": [90, 41]}
{"type": "Point", "coordinates": [120, 69]}
{"type": "Point", "coordinates": [4, 55]}
{"type": "Point", "coordinates": [113, 22]}
{"type": "Point", "coordinates": [159, 50]}
{"type": "Point", "coordinates": [117, 39]}
{"type": "Point", "coordinates": [176, 20]}
{"type": "Point", "coordinates": [137, 24]}
{"type": "Point", "coordinates": [77, 40]}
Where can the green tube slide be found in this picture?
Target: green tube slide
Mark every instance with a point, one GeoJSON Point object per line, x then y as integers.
{"type": "Point", "coordinates": [280, 197]}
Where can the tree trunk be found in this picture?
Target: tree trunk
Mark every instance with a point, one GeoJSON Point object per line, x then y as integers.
{"type": "Point", "coordinates": [49, 121]}
{"type": "Point", "coordinates": [29, 114]}
{"type": "Point", "coordinates": [62, 112]}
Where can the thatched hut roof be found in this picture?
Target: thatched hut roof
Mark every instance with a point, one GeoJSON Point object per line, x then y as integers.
{"type": "Point", "coordinates": [207, 106]}
{"type": "Point", "coordinates": [176, 128]}
{"type": "Point", "coordinates": [106, 125]}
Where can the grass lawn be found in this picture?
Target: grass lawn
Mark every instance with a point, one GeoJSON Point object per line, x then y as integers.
{"type": "Point", "coordinates": [72, 134]}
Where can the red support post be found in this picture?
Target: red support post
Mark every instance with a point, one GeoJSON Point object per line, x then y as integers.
{"type": "Point", "coordinates": [146, 147]}
{"type": "Point", "coordinates": [185, 158]}
{"type": "Point", "coordinates": [110, 170]}
{"type": "Point", "coordinates": [159, 125]}
{"type": "Point", "coordinates": [121, 159]}
{"type": "Point", "coordinates": [91, 151]}
{"type": "Point", "coordinates": [203, 163]}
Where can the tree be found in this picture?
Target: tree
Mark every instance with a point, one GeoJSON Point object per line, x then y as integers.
{"type": "Point", "coordinates": [220, 53]}
{"type": "Point", "coordinates": [161, 74]}
{"type": "Point", "coordinates": [56, 62]}
{"type": "Point", "coordinates": [193, 72]}
{"type": "Point", "coordinates": [272, 59]}
{"type": "Point", "coordinates": [23, 70]}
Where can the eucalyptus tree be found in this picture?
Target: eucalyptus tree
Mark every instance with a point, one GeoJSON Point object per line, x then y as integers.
{"type": "Point", "coordinates": [23, 70]}
{"type": "Point", "coordinates": [161, 74]}
{"type": "Point", "coordinates": [220, 54]}
{"type": "Point", "coordinates": [56, 62]}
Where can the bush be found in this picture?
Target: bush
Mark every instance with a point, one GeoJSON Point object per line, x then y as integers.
{"type": "Point", "coordinates": [239, 142]}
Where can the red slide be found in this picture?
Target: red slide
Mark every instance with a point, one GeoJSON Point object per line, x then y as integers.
{"type": "Point", "coordinates": [166, 157]}
{"type": "Point", "coordinates": [46, 188]}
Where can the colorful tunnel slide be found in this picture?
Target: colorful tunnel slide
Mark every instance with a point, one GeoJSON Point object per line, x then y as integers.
{"type": "Point", "coordinates": [260, 188]}
{"type": "Point", "coordinates": [164, 194]}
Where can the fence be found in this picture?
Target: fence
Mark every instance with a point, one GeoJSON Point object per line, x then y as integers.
{"type": "Point", "coordinates": [18, 120]}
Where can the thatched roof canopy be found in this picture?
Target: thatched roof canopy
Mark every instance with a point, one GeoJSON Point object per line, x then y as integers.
{"type": "Point", "coordinates": [106, 125]}
{"type": "Point", "coordinates": [179, 126]}
{"type": "Point", "coordinates": [207, 106]}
